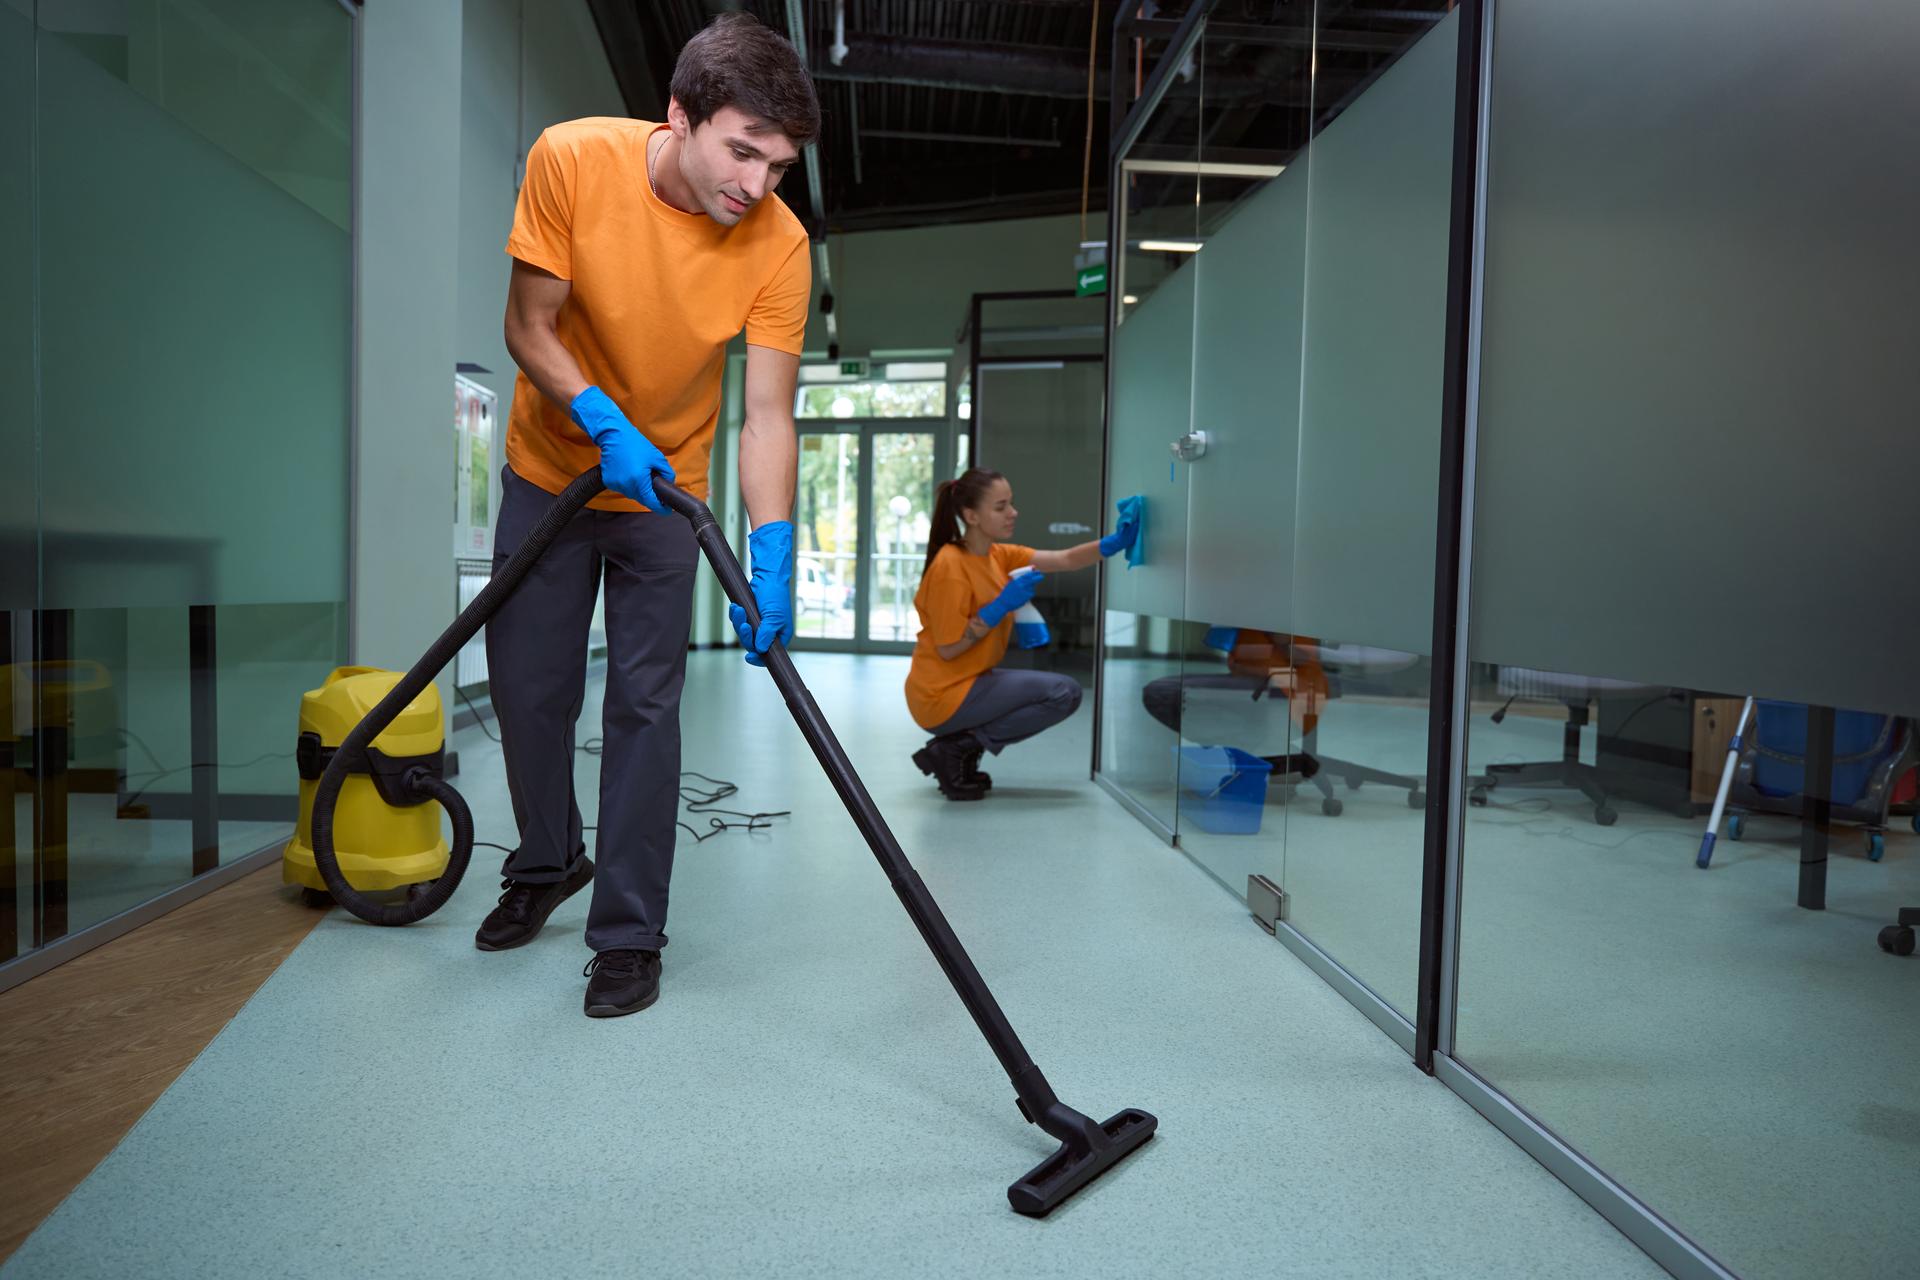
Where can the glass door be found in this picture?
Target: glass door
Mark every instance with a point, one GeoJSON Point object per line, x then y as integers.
{"type": "Point", "coordinates": [827, 506]}
{"type": "Point", "coordinates": [900, 489]}
{"type": "Point", "coordinates": [862, 514]}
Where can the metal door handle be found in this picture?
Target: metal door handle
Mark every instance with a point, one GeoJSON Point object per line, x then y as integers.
{"type": "Point", "coordinates": [1190, 446]}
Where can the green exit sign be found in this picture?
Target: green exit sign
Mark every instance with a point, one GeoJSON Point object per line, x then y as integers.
{"type": "Point", "coordinates": [1090, 280]}
{"type": "Point", "coordinates": [853, 368]}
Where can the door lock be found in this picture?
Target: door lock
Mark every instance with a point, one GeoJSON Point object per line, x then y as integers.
{"type": "Point", "coordinates": [1191, 446]}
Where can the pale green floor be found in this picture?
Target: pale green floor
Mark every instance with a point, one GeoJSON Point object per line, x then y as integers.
{"type": "Point", "coordinates": [808, 1097]}
{"type": "Point", "coordinates": [1745, 1067]}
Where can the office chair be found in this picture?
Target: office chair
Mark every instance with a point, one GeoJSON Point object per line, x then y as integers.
{"type": "Point", "coordinates": [1577, 692]}
{"type": "Point", "coordinates": [1355, 664]}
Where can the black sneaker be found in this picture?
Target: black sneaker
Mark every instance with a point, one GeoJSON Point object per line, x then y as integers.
{"type": "Point", "coordinates": [945, 758]}
{"type": "Point", "coordinates": [524, 908]}
{"type": "Point", "coordinates": [621, 982]}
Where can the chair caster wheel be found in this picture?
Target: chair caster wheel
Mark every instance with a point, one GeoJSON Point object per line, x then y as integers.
{"type": "Point", "coordinates": [1736, 827]}
{"type": "Point", "coordinates": [1353, 781]}
{"type": "Point", "coordinates": [1416, 799]}
{"type": "Point", "coordinates": [1331, 807]}
{"type": "Point", "coordinates": [1605, 816]}
{"type": "Point", "coordinates": [1876, 846]}
{"type": "Point", "coordinates": [1897, 940]}
{"type": "Point", "coordinates": [1477, 797]}
{"type": "Point", "coordinates": [319, 899]}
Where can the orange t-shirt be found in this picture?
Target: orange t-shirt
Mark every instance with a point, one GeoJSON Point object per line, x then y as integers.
{"type": "Point", "coordinates": [657, 295]}
{"type": "Point", "coordinates": [951, 591]}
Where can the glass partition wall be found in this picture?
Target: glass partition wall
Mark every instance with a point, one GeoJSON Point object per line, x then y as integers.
{"type": "Point", "coordinates": [1278, 344]}
{"type": "Point", "coordinates": [173, 532]}
{"type": "Point", "coordinates": [1621, 434]}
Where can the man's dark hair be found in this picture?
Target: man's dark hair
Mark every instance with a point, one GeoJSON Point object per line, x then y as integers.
{"type": "Point", "coordinates": [735, 62]}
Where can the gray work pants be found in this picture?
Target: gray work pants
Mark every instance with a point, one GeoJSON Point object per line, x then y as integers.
{"type": "Point", "coordinates": [1009, 706]}
{"type": "Point", "coordinates": [537, 670]}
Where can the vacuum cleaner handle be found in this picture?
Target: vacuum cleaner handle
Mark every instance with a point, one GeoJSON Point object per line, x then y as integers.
{"type": "Point", "coordinates": [1087, 1147]}
{"type": "Point", "coordinates": [866, 815]}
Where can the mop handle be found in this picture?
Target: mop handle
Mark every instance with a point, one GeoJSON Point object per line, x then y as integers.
{"type": "Point", "coordinates": [1726, 785]}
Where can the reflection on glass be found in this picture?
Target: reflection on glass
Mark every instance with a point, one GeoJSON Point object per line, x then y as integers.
{"type": "Point", "coordinates": [827, 562]}
{"type": "Point", "coordinates": [1719, 1038]}
{"type": "Point", "coordinates": [1137, 746]}
{"type": "Point", "coordinates": [163, 616]}
{"type": "Point", "coordinates": [902, 507]}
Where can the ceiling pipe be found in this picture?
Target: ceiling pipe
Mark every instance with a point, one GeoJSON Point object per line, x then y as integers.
{"type": "Point", "coordinates": [940, 64]}
{"type": "Point", "coordinates": [823, 274]}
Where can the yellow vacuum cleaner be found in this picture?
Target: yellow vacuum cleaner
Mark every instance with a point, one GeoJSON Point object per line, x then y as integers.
{"type": "Point", "coordinates": [385, 835]}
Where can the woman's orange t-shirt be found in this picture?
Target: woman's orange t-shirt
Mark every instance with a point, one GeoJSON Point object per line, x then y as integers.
{"type": "Point", "coordinates": [951, 591]}
{"type": "Point", "coordinates": [657, 295]}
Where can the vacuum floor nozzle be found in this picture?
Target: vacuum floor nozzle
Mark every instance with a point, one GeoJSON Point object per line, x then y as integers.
{"type": "Point", "coordinates": [1074, 1165]}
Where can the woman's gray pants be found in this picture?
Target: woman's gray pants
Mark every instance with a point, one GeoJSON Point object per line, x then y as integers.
{"type": "Point", "coordinates": [1005, 707]}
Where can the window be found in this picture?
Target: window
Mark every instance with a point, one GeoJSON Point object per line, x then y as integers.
{"type": "Point", "coordinates": [871, 399]}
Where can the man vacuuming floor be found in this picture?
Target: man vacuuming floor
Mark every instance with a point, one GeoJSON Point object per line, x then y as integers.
{"type": "Point", "coordinates": [639, 251]}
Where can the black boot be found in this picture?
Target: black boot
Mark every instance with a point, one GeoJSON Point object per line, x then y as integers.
{"type": "Point", "coordinates": [1300, 764]}
{"type": "Point", "coordinates": [945, 758]}
{"type": "Point", "coordinates": [971, 771]}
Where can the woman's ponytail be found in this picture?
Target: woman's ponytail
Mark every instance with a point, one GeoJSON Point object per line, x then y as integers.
{"type": "Point", "coordinates": [949, 500]}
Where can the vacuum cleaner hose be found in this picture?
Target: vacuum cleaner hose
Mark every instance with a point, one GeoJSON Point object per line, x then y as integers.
{"type": "Point", "coordinates": [353, 747]}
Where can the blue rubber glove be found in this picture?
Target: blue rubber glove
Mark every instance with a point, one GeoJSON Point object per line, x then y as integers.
{"type": "Point", "coordinates": [771, 549]}
{"type": "Point", "coordinates": [628, 460]}
{"type": "Point", "coordinates": [1016, 593]}
{"type": "Point", "coordinates": [1124, 534]}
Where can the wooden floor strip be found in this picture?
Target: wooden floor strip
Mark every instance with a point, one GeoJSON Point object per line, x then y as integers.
{"type": "Point", "coordinates": [86, 1048]}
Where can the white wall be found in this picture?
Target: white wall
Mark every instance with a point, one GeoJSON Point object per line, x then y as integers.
{"type": "Point", "coordinates": [525, 64]}
{"type": "Point", "coordinates": [452, 94]}
{"type": "Point", "coordinates": [908, 289]}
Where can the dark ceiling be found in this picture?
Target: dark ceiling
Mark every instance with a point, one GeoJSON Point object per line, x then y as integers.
{"type": "Point", "coordinates": [960, 110]}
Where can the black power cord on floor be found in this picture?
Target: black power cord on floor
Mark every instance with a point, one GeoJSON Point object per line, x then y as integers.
{"type": "Point", "coordinates": [702, 800]}
{"type": "Point", "coordinates": [151, 776]}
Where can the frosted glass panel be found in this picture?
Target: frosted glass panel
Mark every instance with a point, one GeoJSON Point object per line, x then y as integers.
{"type": "Point", "coordinates": [1246, 397]}
{"type": "Point", "coordinates": [174, 337]}
{"type": "Point", "coordinates": [1695, 479]}
{"type": "Point", "coordinates": [17, 532]}
{"type": "Point", "coordinates": [1152, 358]}
{"type": "Point", "coordinates": [194, 327]}
{"type": "Point", "coordinates": [1697, 444]}
{"type": "Point", "coordinates": [1375, 347]}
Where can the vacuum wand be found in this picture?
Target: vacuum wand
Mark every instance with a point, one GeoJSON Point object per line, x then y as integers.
{"type": "Point", "coordinates": [1088, 1148]}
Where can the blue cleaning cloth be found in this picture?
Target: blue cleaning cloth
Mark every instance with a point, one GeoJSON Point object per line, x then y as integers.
{"type": "Point", "coordinates": [1136, 509]}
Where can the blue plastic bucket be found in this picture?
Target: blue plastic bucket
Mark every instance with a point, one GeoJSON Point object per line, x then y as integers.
{"type": "Point", "coordinates": [1223, 790]}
